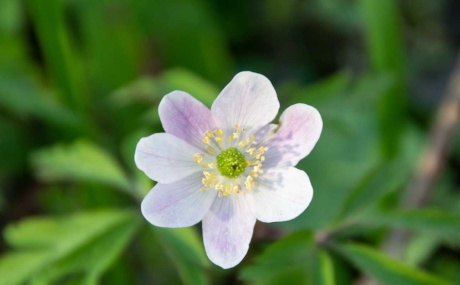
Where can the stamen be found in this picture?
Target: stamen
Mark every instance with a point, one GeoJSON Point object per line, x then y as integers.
{"type": "Point", "coordinates": [208, 149]}
{"type": "Point", "coordinates": [226, 169]}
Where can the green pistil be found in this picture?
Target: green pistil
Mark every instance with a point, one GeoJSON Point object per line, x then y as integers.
{"type": "Point", "coordinates": [231, 163]}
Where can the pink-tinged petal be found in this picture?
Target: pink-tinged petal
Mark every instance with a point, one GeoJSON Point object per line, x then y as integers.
{"type": "Point", "coordinates": [298, 131]}
{"type": "Point", "coordinates": [281, 195]}
{"type": "Point", "coordinates": [185, 117]}
{"type": "Point", "coordinates": [249, 101]}
{"type": "Point", "coordinates": [179, 204]}
{"type": "Point", "coordinates": [166, 158]}
{"type": "Point", "coordinates": [227, 230]}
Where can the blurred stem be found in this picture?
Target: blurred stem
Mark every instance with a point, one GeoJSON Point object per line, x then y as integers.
{"type": "Point", "coordinates": [433, 157]}
{"type": "Point", "coordinates": [432, 161]}
{"type": "Point", "coordinates": [381, 21]}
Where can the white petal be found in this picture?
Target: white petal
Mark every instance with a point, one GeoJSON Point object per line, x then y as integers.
{"type": "Point", "coordinates": [281, 195]}
{"type": "Point", "coordinates": [227, 230]}
{"type": "Point", "coordinates": [179, 204]}
{"type": "Point", "coordinates": [299, 129]}
{"type": "Point", "coordinates": [249, 101]}
{"type": "Point", "coordinates": [166, 158]}
{"type": "Point", "coordinates": [185, 117]}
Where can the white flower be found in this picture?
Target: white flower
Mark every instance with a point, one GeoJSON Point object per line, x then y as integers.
{"type": "Point", "coordinates": [228, 166]}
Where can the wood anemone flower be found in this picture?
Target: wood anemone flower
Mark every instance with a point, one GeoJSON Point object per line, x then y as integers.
{"type": "Point", "coordinates": [228, 166]}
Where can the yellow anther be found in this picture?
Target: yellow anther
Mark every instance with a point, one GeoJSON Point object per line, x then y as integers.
{"type": "Point", "coordinates": [212, 179]}
{"type": "Point", "coordinates": [208, 149]}
{"type": "Point", "coordinates": [198, 159]}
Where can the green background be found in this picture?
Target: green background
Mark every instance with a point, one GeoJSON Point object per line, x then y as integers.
{"type": "Point", "coordinates": [80, 83]}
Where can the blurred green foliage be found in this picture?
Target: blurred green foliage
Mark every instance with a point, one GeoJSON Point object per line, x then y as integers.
{"type": "Point", "coordinates": [80, 83]}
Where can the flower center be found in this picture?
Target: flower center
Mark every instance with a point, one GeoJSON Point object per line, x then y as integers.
{"type": "Point", "coordinates": [231, 163]}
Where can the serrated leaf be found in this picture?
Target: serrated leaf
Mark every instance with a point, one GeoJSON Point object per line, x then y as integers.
{"type": "Point", "coordinates": [386, 270]}
{"type": "Point", "coordinates": [84, 244]}
{"type": "Point", "coordinates": [94, 257]}
{"type": "Point", "coordinates": [81, 161]}
{"type": "Point", "coordinates": [16, 268]}
{"type": "Point", "coordinates": [186, 250]}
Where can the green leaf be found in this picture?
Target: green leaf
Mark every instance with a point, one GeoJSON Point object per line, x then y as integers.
{"type": "Point", "coordinates": [287, 261]}
{"type": "Point", "coordinates": [324, 269]}
{"type": "Point", "coordinates": [95, 257]}
{"type": "Point", "coordinates": [331, 86]}
{"type": "Point", "coordinates": [385, 269]}
{"type": "Point", "coordinates": [57, 247]}
{"type": "Point", "coordinates": [16, 268]}
{"type": "Point", "coordinates": [421, 248]}
{"type": "Point", "coordinates": [62, 64]}
{"type": "Point", "coordinates": [24, 98]}
{"type": "Point", "coordinates": [385, 177]}
{"type": "Point", "coordinates": [433, 222]}
{"type": "Point", "coordinates": [349, 119]}
{"type": "Point", "coordinates": [181, 79]}
{"type": "Point", "coordinates": [112, 41]}
{"type": "Point", "coordinates": [186, 250]}
{"type": "Point", "coordinates": [385, 47]}
{"type": "Point", "coordinates": [151, 90]}
{"type": "Point", "coordinates": [80, 161]}
{"type": "Point", "coordinates": [193, 40]}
